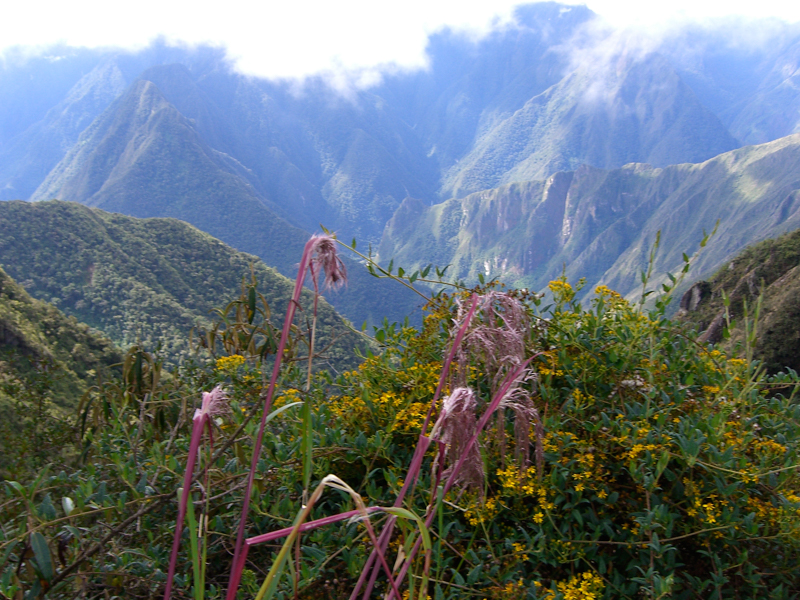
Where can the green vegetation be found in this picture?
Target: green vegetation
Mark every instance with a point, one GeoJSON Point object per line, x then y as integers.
{"type": "Point", "coordinates": [765, 277]}
{"type": "Point", "coordinates": [628, 462]}
{"type": "Point", "coordinates": [145, 282]}
{"type": "Point", "coordinates": [47, 362]}
{"type": "Point", "coordinates": [37, 334]}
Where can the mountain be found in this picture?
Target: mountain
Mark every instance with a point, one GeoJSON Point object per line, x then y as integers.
{"type": "Point", "coordinates": [770, 269]}
{"type": "Point", "coordinates": [774, 109]}
{"type": "Point", "coordinates": [177, 132]}
{"type": "Point", "coordinates": [143, 158]}
{"type": "Point", "coordinates": [630, 110]}
{"type": "Point", "coordinates": [601, 224]}
{"type": "Point", "coordinates": [142, 280]}
{"type": "Point", "coordinates": [36, 335]}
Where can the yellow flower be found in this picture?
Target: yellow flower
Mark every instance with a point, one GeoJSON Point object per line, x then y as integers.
{"type": "Point", "coordinates": [229, 364]}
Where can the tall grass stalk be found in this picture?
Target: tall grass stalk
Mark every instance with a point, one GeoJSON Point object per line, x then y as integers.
{"type": "Point", "coordinates": [321, 251]}
{"type": "Point", "coordinates": [423, 444]}
{"type": "Point", "coordinates": [270, 583]}
{"type": "Point", "coordinates": [505, 388]}
{"type": "Point", "coordinates": [214, 403]}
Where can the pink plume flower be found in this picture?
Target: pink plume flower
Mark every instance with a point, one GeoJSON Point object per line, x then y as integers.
{"type": "Point", "coordinates": [215, 403]}
{"type": "Point", "coordinates": [326, 257]}
{"type": "Point", "coordinates": [455, 427]}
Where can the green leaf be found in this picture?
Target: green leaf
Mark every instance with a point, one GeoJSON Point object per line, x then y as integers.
{"type": "Point", "coordinates": [41, 552]}
{"type": "Point", "coordinates": [7, 554]}
{"type": "Point", "coordinates": [17, 487]}
{"type": "Point", "coordinates": [68, 505]}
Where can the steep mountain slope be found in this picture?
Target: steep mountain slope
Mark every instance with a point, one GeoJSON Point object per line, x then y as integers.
{"type": "Point", "coordinates": [34, 333]}
{"type": "Point", "coordinates": [601, 224]}
{"type": "Point", "coordinates": [472, 84]}
{"type": "Point", "coordinates": [771, 268]}
{"type": "Point", "coordinates": [630, 110]}
{"type": "Point", "coordinates": [31, 155]}
{"type": "Point", "coordinates": [144, 159]}
{"type": "Point", "coordinates": [145, 280]}
{"type": "Point", "coordinates": [774, 110]}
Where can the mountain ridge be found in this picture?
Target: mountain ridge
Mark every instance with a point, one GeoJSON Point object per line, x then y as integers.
{"type": "Point", "coordinates": [601, 224]}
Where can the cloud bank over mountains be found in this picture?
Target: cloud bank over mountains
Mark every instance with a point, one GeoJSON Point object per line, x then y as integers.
{"type": "Point", "coordinates": [351, 42]}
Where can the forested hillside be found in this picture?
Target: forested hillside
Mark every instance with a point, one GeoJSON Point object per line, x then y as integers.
{"type": "Point", "coordinates": [141, 281]}
{"type": "Point", "coordinates": [36, 336]}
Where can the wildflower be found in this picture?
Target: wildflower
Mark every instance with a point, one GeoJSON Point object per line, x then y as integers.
{"type": "Point", "coordinates": [214, 404]}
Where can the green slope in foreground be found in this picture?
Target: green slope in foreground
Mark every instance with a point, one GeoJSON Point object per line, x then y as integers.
{"type": "Point", "coordinates": [770, 269]}
{"type": "Point", "coordinates": [142, 280]}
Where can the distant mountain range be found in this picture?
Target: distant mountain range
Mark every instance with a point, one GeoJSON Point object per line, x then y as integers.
{"type": "Point", "coordinates": [601, 224]}
{"type": "Point", "coordinates": [544, 112]}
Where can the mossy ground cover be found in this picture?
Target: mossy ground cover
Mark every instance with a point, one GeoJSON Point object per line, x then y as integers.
{"type": "Point", "coordinates": [657, 468]}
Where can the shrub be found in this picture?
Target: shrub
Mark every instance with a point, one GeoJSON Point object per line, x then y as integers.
{"type": "Point", "coordinates": [650, 466]}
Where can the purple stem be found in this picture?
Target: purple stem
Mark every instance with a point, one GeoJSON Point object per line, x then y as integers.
{"type": "Point", "coordinates": [416, 461]}
{"type": "Point", "coordinates": [274, 535]}
{"type": "Point", "coordinates": [238, 559]}
{"type": "Point", "coordinates": [498, 397]}
{"type": "Point", "coordinates": [194, 445]}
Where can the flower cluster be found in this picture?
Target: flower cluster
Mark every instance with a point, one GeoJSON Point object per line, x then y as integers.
{"type": "Point", "coordinates": [586, 586]}
{"type": "Point", "coordinates": [229, 364]}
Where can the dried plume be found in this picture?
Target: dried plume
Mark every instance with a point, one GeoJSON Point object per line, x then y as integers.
{"type": "Point", "coordinates": [326, 257]}
{"type": "Point", "coordinates": [497, 339]}
{"type": "Point", "coordinates": [214, 404]}
{"type": "Point", "coordinates": [455, 427]}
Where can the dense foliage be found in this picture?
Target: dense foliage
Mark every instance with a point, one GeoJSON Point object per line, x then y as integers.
{"type": "Point", "coordinates": [141, 281]}
{"type": "Point", "coordinates": [659, 468]}
{"type": "Point", "coordinates": [47, 361]}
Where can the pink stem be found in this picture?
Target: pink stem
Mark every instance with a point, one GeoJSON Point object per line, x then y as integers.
{"type": "Point", "coordinates": [419, 455]}
{"type": "Point", "coordinates": [498, 397]}
{"type": "Point", "coordinates": [274, 535]}
{"type": "Point", "coordinates": [238, 562]}
{"type": "Point", "coordinates": [194, 444]}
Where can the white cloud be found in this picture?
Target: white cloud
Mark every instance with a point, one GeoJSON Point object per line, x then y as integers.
{"type": "Point", "coordinates": [291, 39]}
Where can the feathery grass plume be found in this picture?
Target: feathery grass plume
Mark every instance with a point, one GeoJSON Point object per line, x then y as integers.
{"type": "Point", "coordinates": [214, 404]}
{"type": "Point", "coordinates": [497, 339]}
{"type": "Point", "coordinates": [519, 400]}
{"type": "Point", "coordinates": [319, 252]}
{"type": "Point", "coordinates": [454, 428]}
{"type": "Point", "coordinates": [423, 443]}
{"type": "Point", "coordinates": [326, 257]}
{"type": "Point", "coordinates": [512, 381]}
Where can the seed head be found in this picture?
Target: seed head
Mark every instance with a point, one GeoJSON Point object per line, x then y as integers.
{"type": "Point", "coordinates": [327, 258]}
{"type": "Point", "coordinates": [456, 425]}
{"type": "Point", "coordinates": [214, 403]}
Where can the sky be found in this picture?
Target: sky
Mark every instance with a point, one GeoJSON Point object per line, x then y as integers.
{"type": "Point", "coordinates": [301, 37]}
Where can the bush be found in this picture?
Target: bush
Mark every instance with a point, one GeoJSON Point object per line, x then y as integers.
{"type": "Point", "coordinates": [650, 466]}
